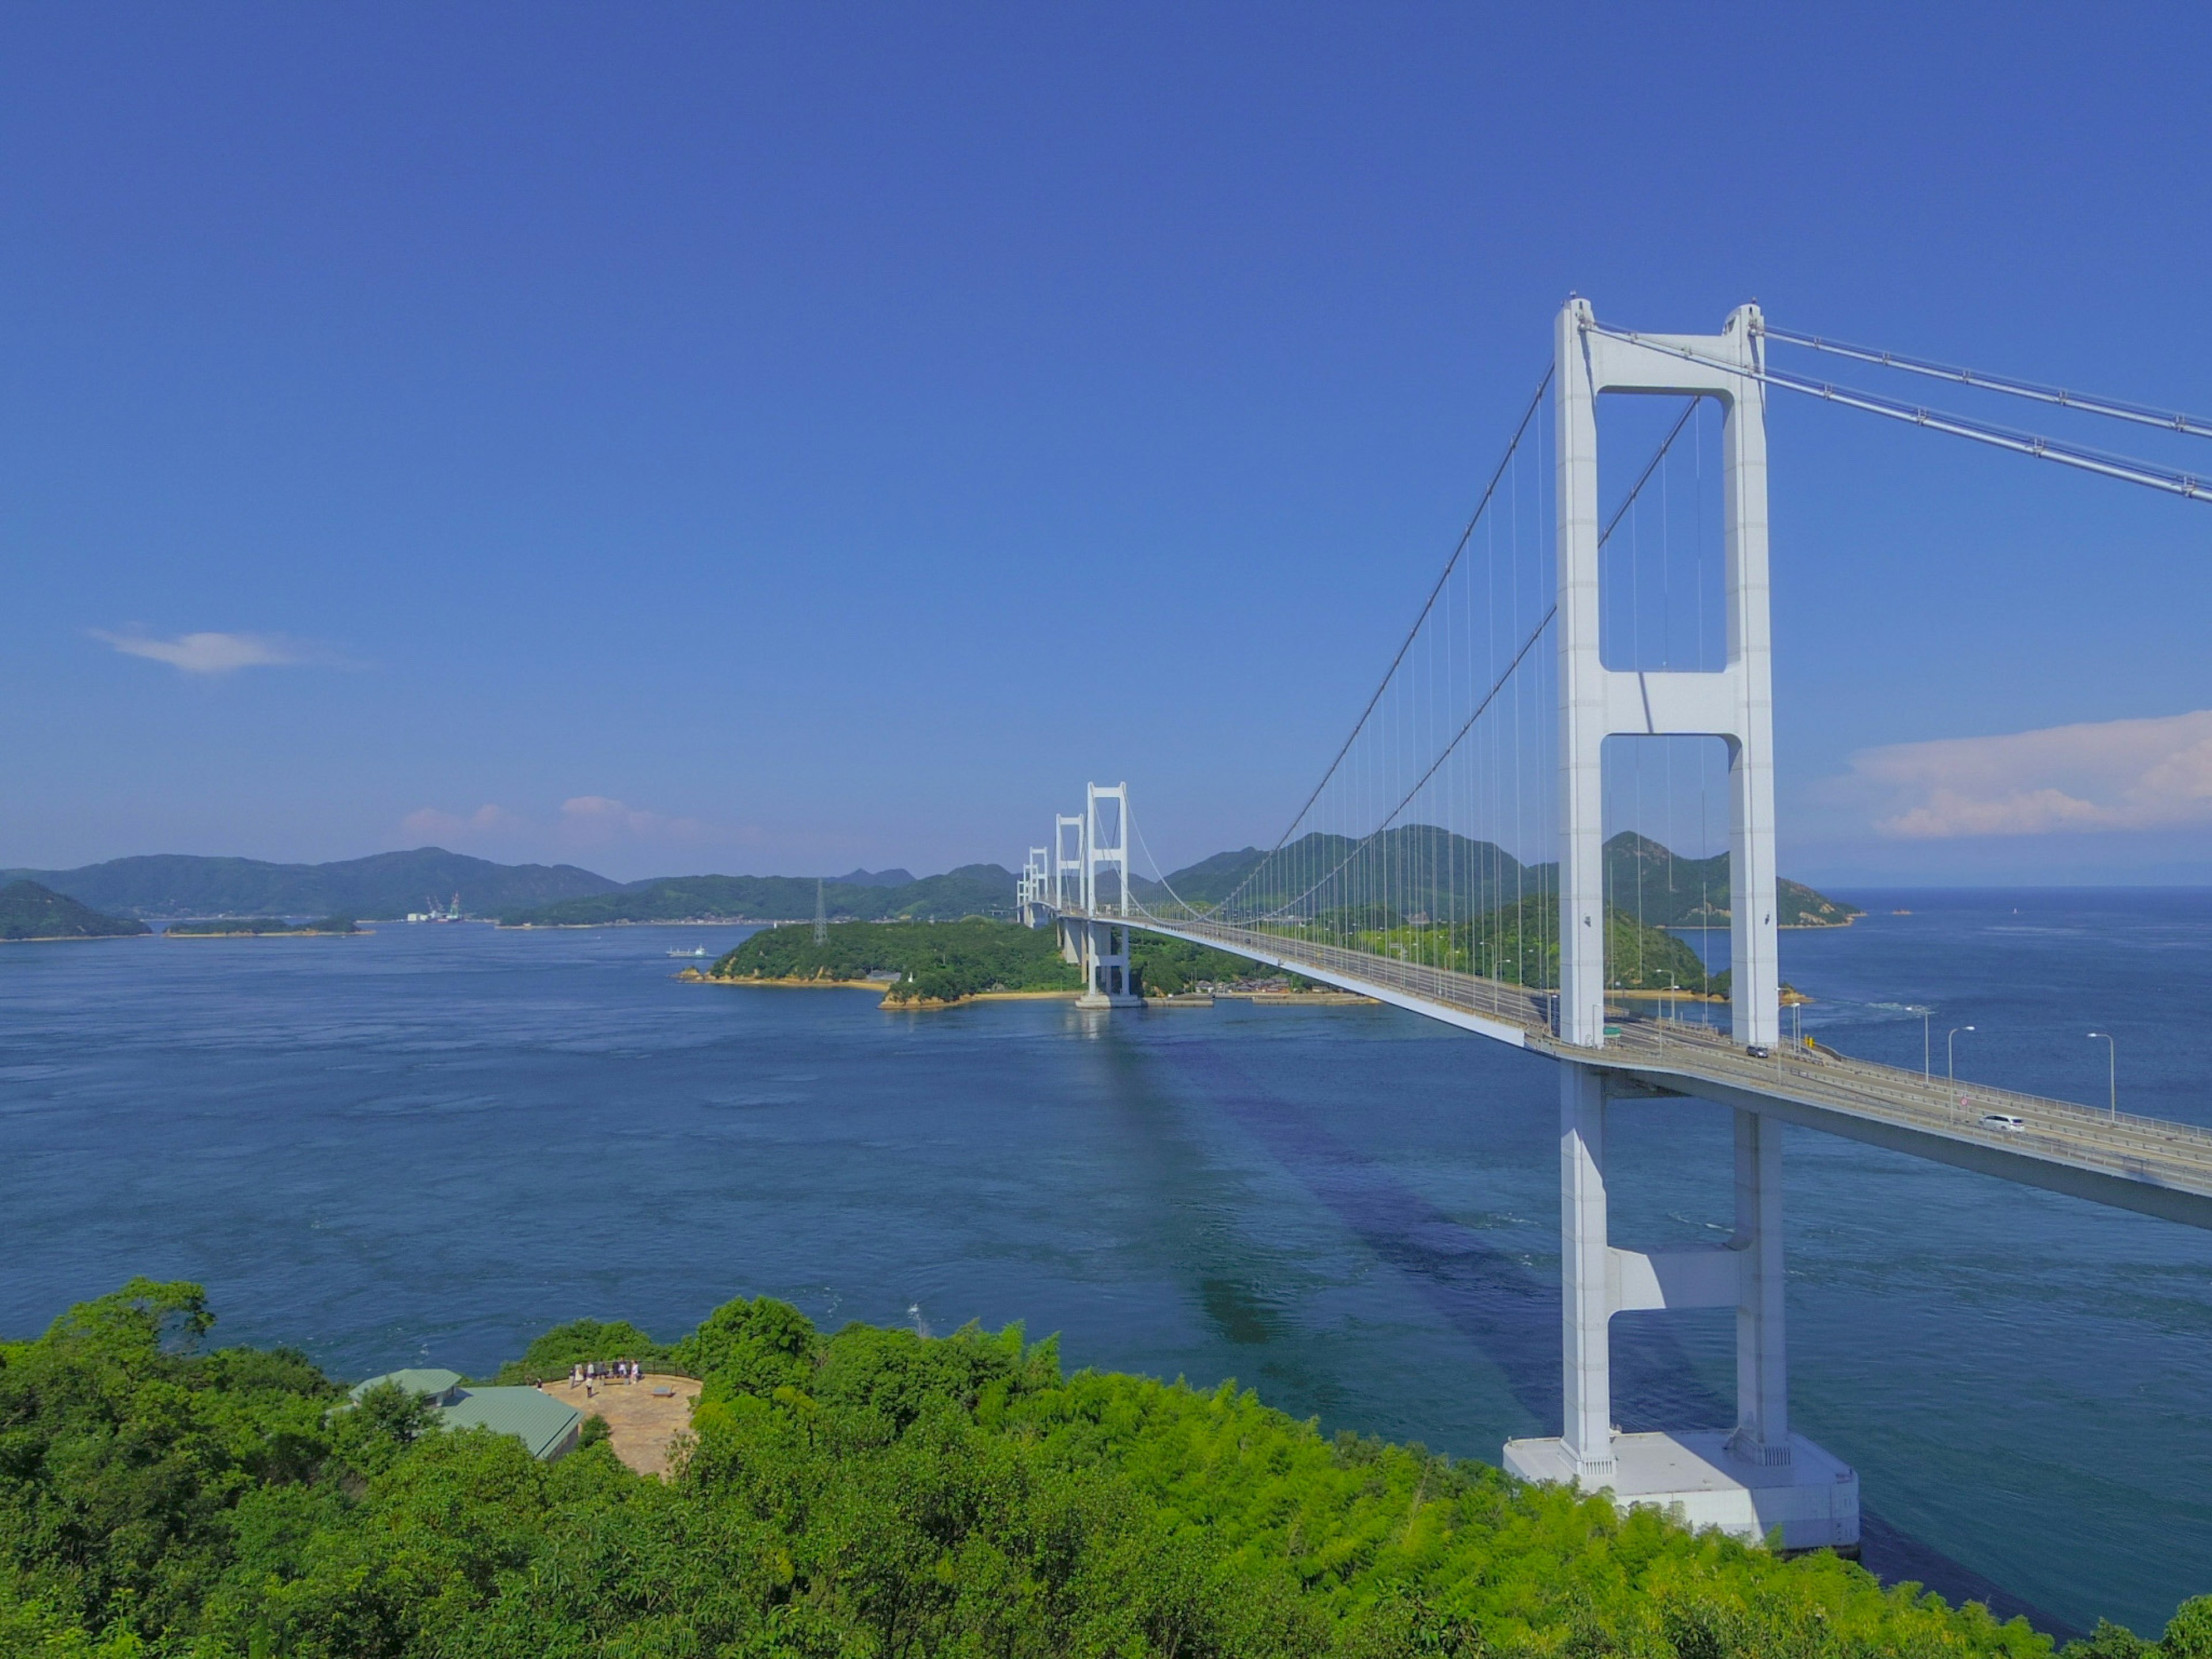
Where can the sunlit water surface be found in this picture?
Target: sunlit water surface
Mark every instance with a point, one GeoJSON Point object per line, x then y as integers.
{"type": "Point", "coordinates": [428, 1145]}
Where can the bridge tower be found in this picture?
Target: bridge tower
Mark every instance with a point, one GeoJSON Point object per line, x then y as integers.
{"type": "Point", "coordinates": [1757, 1475]}
{"type": "Point", "coordinates": [1108, 981]}
{"type": "Point", "coordinates": [1033, 889]}
{"type": "Point", "coordinates": [1067, 844]}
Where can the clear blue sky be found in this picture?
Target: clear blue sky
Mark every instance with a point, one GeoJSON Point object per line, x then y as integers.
{"type": "Point", "coordinates": [690, 437]}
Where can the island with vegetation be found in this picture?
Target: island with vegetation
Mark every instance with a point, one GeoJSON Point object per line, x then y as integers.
{"type": "Point", "coordinates": [868, 1492]}
{"type": "Point", "coordinates": [259, 927]}
{"type": "Point", "coordinates": [30, 911]}
{"type": "Point", "coordinates": [944, 963]}
{"type": "Point", "coordinates": [938, 964]}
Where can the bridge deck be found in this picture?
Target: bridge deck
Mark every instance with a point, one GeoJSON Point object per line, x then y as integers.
{"type": "Point", "coordinates": [2149, 1164]}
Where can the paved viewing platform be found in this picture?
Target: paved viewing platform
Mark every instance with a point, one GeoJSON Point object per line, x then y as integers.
{"type": "Point", "coordinates": [644, 1419]}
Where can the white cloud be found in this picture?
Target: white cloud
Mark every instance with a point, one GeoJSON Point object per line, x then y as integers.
{"type": "Point", "coordinates": [2107, 775]}
{"type": "Point", "coordinates": [601, 821]}
{"type": "Point", "coordinates": [210, 653]}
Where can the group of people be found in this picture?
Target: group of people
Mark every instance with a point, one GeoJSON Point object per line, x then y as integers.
{"type": "Point", "coordinates": [591, 1373]}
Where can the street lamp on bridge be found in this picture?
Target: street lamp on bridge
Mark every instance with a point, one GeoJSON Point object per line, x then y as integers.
{"type": "Point", "coordinates": [1950, 1058]}
{"type": "Point", "coordinates": [2112, 1068]}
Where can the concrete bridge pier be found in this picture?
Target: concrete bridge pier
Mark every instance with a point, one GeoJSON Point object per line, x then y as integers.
{"type": "Point", "coordinates": [1106, 979]}
{"type": "Point", "coordinates": [1755, 1479]}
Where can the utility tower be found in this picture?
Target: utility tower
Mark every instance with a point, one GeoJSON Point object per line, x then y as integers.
{"type": "Point", "coordinates": [1757, 1476]}
{"type": "Point", "coordinates": [821, 915]}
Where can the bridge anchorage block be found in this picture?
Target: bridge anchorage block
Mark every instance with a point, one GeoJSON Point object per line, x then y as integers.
{"type": "Point", "coordinates": [1757, 1480]}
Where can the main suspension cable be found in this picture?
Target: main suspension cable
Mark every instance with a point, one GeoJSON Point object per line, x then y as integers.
{"type": "Point", "coordinates": [2167, 420]}
{"type": "Point", "coordinates": [2188, 485]}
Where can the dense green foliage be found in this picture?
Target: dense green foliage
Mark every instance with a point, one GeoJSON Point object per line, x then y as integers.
{"type": "Point", "coordinates": [387, 884]}
{"type": "Point", "coordinates": [1418, 870]}
{"type": "Point", "coordinates": [972, 889]}
{"type": "Point", "coordinates": [1519, 943]}
{"type": "Point", "coordinates": [870, 1493]}
{"type": "Point", "coordinates": [936, 962]}
{"type": "Point", "coordinates": [256, 926]}
{"type": "Point", "coordinates": [29, 910]}
{"type": "Point", "coordinates": [1165, 967]}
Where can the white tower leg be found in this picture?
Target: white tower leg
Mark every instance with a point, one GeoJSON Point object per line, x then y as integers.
{"type": "Point", "coordinates": [1586, 1301]}
{"type": "Point", "coordinates": [1762, 1366]}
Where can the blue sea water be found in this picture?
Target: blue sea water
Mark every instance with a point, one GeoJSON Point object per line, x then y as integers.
{"type": "Point", "coordinates": [428, 1145]}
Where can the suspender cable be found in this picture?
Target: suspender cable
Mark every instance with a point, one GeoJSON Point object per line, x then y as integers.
{"type": "Point", "coordinates": [2188, 485]}
{"type": "Point", "coordinates": [1413, 632]}
{"type": "Point", "coordinates": [2169, 420]}
{"type": "Point", "coordinates": [1527, 644]}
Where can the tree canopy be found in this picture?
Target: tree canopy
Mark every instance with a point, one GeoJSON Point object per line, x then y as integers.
{"type": "Point", "coordinates": [866, 1492]}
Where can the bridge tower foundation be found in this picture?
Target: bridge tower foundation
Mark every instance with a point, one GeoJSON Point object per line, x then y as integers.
{"type": "Point", "coordinates": [1755, 1479]}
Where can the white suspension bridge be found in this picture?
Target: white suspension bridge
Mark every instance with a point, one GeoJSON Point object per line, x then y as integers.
{"type": "Point", "coordinates": [1396, 878]}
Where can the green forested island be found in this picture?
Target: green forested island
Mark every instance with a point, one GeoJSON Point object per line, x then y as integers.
{"type": "Point", "coordinates": [259, 927]}
{"type": "Point", "coordinates": [29, 910]}
{"type": "Point", "coordinates": [861, 1494]}
{"type": "Point", "coordinates": [945, 961]}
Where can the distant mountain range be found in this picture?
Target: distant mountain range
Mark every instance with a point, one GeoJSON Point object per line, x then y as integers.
{"type": "Point", "coordinates": [1412, 870]}
{"type": "Point", "coordinates": [974, 890]}
{"type": "Point", "coordinates": [387, 884]}
{"type": "Point", "coordinates": [1418, 869]}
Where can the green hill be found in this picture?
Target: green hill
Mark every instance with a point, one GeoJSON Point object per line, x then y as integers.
{"type": "Point", "coordinates": [1419, 871]}
{"type": "Point", "coordinates": [941, 962]}
{"type": "Point", "coordinates": [29, 911]}
{"type": "Point", "coordinates": [385, 885]}
{"type": "Point", "coordinates": [973, 890]}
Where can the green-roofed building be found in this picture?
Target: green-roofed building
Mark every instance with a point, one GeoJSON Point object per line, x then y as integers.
{"type": "Point", "coordinates": [440, 1386]}
{"type": "Point", "coordinates": [539, 1420]}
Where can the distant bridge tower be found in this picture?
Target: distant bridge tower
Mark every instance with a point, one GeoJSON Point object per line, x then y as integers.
{"type": "Point", "coordinates": [1757, 1475]}
{"type": "Point", "coordinates": [1107, 980]}
{"type": "Point", "coordinates": [1068, 843]}
{"type": "Point", "coordinates": [1032, 890]}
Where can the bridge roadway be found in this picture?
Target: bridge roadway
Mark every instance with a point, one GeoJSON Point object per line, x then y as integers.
{"type": "Point", "coordinates": [2148, 1165]}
